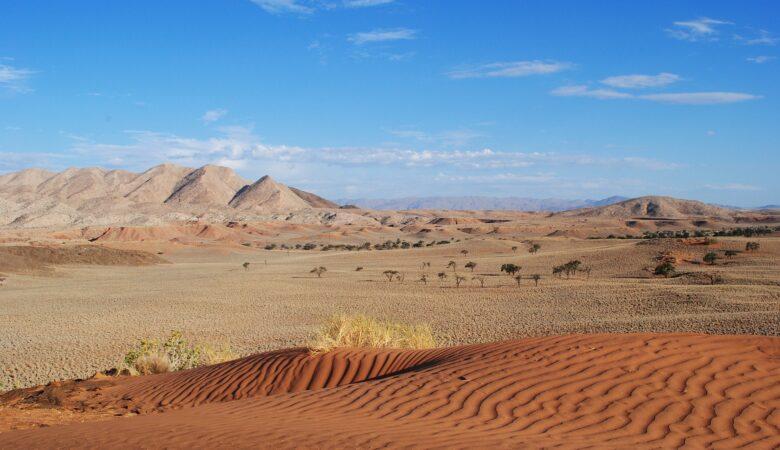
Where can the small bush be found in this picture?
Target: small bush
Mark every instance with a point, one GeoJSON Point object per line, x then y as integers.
{"type": "Point", "coordinates": [666, 269]}
{"type": "Point", "coordinates": [150, 356]}
{"type": "Point", "coordinates": [367, 332]}
{"type": "Point", "coordinates": [710, 258]}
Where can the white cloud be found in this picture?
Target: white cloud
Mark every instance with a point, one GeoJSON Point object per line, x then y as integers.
{"type": "Point", "coordinates": [239, 147]}
{"type": "Point", "coordinates": [760, 59]}
{"type": "Point", "coordinates": [699, 29]}
{"type": "Point", "coordinates": [383, 35]}
{"type": "Point", "coordinates": [680, 98]}
{"type": "Point", "coordinates": [14, 78]}
{"type": "Point", "coordinates": [764, 38]}
{"type": "Point", "coordinates": [365, 3]}
{"type": "Point", "coordinates": [510, 69]}
{"type": "Point", "coordinates": [732, 187]}
{"type": "Point", "coordinates": [700, 98]}
{"type": "Point", "coordinates": [584, 91]}
{"type": "Point", "coordinates": [283, 6]}
{"type": "Point", "coordinates": [452, 138]}
{"type": "Point", "coordinates": [213, 115]}
{"type": "Point", "coordinates": [641, 81]}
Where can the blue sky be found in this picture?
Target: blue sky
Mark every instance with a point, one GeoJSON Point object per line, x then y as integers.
{"type": "Point", "coordinates": [381, 98]}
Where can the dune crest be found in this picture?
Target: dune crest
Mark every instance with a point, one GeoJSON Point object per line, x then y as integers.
{"type": "Point", "coordinates": [614, 391]}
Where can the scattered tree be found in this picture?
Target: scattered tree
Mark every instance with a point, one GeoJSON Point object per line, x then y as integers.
{"type": "Point", "coordinates": [752, 246]}
{"type": "Point", "coordinates": [358, 268]}
{"type": "Point", "coordinates": [2, 281]}
{"type": "Point", "coordinates": [710, 258]}
{"type": "Point", "coordinates": [518, 278]}
{"type": "Point", "coordinates": [423, 279]}
{"type": "Point", "coordinates": [510, 269]}
{"type": "Point", "coordinates": [459, 279]}
{"type": "Point", "coordinates": [471, 265]}
{"type": "Point", "coordinates": [536, 277]}
{"type": "Point", "coordinates": [245, 265]}
{"type": "Point", "coordinates": [464, 252]}
{"type": "Point", "coordinates": [442, 276]}
{"type": "Point", "coordinates": [426, 264]}
{"type": "Point", "coordinates": [480, 279]}
{"type": "Point", "coordinates": [534, 248]}
{"type": "Point", "coordinates": [319, 271]}
{"type": "Point", "coordinates": [390, 274]}
{"type": "Point", "coordinates": [570, 268]}
{"type": "Point", "coordinates": [666, 268]}
{"type": "Point", "coordinates": [452, 265]}
{"type": "Point", "coordinates": [731, 253]}
{"type": "Point", "coordinates": [514, 248]}
{"type": "Point", "coordinates": [587, 270]}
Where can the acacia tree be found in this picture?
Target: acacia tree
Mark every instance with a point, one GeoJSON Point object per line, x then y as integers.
{"type": "Point", "coordinates": [423, 279]}
{"type": "Point", "coordinates": [245, 265]}
{"type": "Point", "coordinates": [459, 279]}
{"type": "Point", "coordinates": [752, 246]}
{"type": "Point", "coordinates": [464, 252]}
{"type": "Point", "coordinates": [471, 265]}
{"type": "Point", "coordinates": [319, 271]}
{"type": "Point", "coordinates": [481, 280]}
{"type": "Point", "coordinates": [514, 248]}
{"type": "Point", "coordinates": [536, 277]}
{"type": "Point", "coordinates": [710, 258]}
{"type": "Point", "coordinates": [518, 278]}
{"type": "Point", "coordinates": [666, 268]}
{"type": "Point", "coordinates": [510, 269]}
{"type": "Point", "coordinates": [452, 265]}
{"type": "Point", "coordinates": [390, 274]}
{"type": "Point", "coordinates": [426, 264]}
{"type": "Point", "coordinates": [534, 248]}
{"type": "Point", "coordinates": [442, 276]}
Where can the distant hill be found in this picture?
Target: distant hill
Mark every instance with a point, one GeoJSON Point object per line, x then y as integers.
{"type": "Point", "coordinates": [479, 203]}
{"type": "Point", "coordinates": [75, 196]}
{"type": "Point", "coordinates": [655, 207]}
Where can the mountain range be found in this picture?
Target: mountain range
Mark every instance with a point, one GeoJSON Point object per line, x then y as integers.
{"type": "Point", "coordinates": [480, 203]}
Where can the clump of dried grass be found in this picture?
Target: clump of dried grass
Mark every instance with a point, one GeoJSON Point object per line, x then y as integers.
{"type": "Point", "coordinates": [150, 356]}
{"type": "Point", "coordinates": [367, 332]}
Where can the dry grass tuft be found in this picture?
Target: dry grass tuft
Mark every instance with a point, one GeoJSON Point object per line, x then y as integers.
{"type": "Point", "coordinates": [152, 364]}
{"type": "Point", "coordinates": [367, 332]}
{"type": "Point", "coordinates": [151, 356]}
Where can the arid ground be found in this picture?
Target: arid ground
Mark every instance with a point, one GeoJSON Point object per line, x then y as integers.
{"type": "Point", "coordinates": [610, 354]}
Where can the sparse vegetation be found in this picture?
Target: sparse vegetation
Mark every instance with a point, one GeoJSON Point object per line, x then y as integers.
{"type": "Point", "coordinates": [367, 332]}
{"type": "Point", "coordinates": [510, 269]}
{"type": "Point", "coordinates": [665, 268]}
{"type": "Point", "coordinates": [570, 268]}
{"type": "Point", "coordinates": [710, 258]}
{"type": "Point", "coordinates": [150, 356]}
{"type": "Point", "coordinates": [390, 274]}
{"type": "Point", "coordinates": [318, 271]}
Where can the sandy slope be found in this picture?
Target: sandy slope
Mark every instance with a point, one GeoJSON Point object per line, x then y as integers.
{"type": "Point", "coordinates": [619, 391]}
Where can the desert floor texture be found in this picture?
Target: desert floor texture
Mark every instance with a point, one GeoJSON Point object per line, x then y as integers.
{"type": "Point", "coordinates": [612, 356]}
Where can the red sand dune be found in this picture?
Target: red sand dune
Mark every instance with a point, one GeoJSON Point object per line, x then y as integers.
{"type": "Point", "coordinates": [601, 391]}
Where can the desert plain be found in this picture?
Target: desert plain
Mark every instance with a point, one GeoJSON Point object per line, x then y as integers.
{"type": "Point", "coordinates": [611, 354]}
